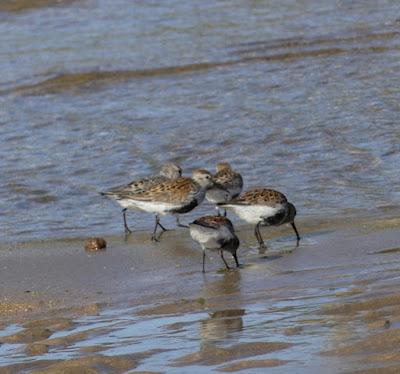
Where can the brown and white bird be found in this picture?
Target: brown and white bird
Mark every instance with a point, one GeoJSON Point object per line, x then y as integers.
{"type": "Point", "coordinates": [169, 171]}
{"type": "Point", "coordinates": [176, 196]}
{"type": "Point", "coordinates": [215, 233]}
{"type": "Point", "coordinates": [263, 207]}
{"type": "Point", "coordinates": [227, 185]}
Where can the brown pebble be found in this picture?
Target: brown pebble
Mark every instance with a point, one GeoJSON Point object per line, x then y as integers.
{"type": "Point", "coordinates": [95, 244]}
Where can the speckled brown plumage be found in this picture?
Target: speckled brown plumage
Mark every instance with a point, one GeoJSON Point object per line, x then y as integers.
{"type": "Point", "coordinates": [174, 196]}
{"type": "Point", "coordinates": [214, 222]}
{"type": "Point", "coordinates": [167, 191]}
{"type": "Point", "coordinates": [227, 178]}
{"type": "Point", "coordinates": [263, 207]}
{"type": "Point", "coordinates": [260, 196]}
{"type": "Point", "coordinates": [137, 186]}
{"type": "Point", "coordinates": [177, 190]}
{"type": "Point", "coordinates": [169, 171]}
{"type": "Point", "coordinates": [227, 185]}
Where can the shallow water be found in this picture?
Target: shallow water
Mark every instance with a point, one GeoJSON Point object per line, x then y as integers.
{"type": "Point", "coordinates": [298, 96]}
{"type": "Point", "coordinates": [312, 310]}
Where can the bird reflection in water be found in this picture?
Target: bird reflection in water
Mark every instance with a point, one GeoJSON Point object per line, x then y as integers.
{"type": "Point", "coordinates": [221, 325]}
{"type": "Point", "coordinates": [225, 318]}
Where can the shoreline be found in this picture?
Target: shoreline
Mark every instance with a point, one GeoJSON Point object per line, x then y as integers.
{"type": "Point", "coordinates": [343, 277]}
{"type": "Point", "coordinates": [57, 273]}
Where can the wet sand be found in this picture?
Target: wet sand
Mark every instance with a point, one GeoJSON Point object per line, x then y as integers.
{"type": "Point", "coordinates": [332, 303]}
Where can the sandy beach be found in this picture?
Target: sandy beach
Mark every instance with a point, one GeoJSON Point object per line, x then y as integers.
{"type": "Point", "coordinates": [300, 97]}
{"type": "Point", "coordinates": [332, 303]}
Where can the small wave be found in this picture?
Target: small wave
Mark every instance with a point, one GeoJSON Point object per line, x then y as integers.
{"type": "Point", "coordinates": [302, 42]}
{"type": "Point", "coordinates": [91, 81]}
{"type": "Point", "coordinates": [15, 6]}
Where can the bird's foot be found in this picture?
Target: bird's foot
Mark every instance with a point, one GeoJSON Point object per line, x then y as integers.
{"type": "Point", "coordinates": [262, 248]}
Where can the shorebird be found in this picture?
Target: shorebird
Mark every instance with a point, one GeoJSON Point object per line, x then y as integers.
{"type": "Point", "coordinates": [215, 233]}
{"type": "Point", "coordinates": [175, 196]}
{"type": "Point", "coordinates": [264, 207]}
{"type": "Point", "coordinates": [228, 184]}
{"type": "Point", "coordinates": [169, 171]}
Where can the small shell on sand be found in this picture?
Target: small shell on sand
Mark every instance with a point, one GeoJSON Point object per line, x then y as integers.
{"type": "Point", "coordinates": [95, 244]}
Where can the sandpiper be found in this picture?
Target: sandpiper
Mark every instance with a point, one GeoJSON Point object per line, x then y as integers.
{"type": "Point", "coordinates": [169, 171]}
{"type": "Point", "coordinates": [227, 185]}
{"type": "Point", "coordinates": [174, 196]}
{"type": "Point", "coordinates": [215, 233]}
{"type": "Point", "coordinates": [263, 207]}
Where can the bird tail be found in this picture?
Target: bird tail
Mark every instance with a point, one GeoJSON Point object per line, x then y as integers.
{"type": "Point", "coordinates": [107, 193]}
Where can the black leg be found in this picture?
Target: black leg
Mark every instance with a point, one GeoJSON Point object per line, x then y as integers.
{"type": "Point", "coordinates": [127, 230]}
{"type": "Point", "coordinates": [180, 224]}
{"type": "Point", "coordinates": [204, 259]}
{"type": "Point", "coordinates": [222, 256]}
{"type": "Point", "coordinates": [224, 212]}
{"type": "Point", "coordinates": [297, 233]}
{"type": "Point", "coordinates": [159, 224]}
{"type": "Point", "coordinates": [236, 259]}
{"type": "Point", "coordinates": [258, 236]}
{"type": "Point", "coordinates": [154, 236]}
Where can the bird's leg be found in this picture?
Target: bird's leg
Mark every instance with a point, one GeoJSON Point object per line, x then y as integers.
{"type": "Point", "coordinates": [180, 224]}
{"type": "Point", "coordinates": [127, 229]}
{"type": "Point", "coordinates": [297, 233]}
{"type": "Point", "coordinates": [236, 259]}
{"type": "Point", "coordinates": [204, 259]}
{"type": "Point", "coordinates": [223, 259]}
{"type": "Point", "coordinates": [219, 211]}
{"type": "Point", "coordinates": [256, 233]}
{"type": "Point", "coordinates": [154, 236]}
{"type": "Point", "coordinates": [259, 237]}
{"type": "Point", "coordinates": [159, 224]}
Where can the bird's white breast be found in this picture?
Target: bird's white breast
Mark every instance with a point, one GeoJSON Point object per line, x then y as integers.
{"type": "Point", "coordinates": [149, 206]}
{"type": "Point", "coordinates": [209, 237]}
{"type": "Point", "coordinates": [254, 213]}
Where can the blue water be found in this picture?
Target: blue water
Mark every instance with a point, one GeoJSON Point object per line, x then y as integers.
{"type": "Point", "coordinates": [299, 96]}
